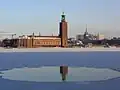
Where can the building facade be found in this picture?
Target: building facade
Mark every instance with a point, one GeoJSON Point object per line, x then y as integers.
{"type": "Point", "coordinates": [33, 41]}
{"type": "Point", "coordinates": [63, 34]}
{"type": "Point", "coordinates": [100, 37]}
{"type": "Point", "coordinates": [36, 41]}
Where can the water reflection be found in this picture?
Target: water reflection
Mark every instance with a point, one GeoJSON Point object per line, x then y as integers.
{"type": "Point", "coordinates": [59, 74]}
{"type": "Point", "coordinates": [63, 72]}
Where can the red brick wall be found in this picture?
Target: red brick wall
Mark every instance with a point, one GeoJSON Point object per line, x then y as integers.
{"type": "Point", "coordinates": [63, 34]}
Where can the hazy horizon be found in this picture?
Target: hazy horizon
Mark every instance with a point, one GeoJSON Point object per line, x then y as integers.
{"type": "Point", "coordinates": [27, 16]}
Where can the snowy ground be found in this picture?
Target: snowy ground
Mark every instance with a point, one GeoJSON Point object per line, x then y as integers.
{"type": "Point", "coordinates": [58, 49]}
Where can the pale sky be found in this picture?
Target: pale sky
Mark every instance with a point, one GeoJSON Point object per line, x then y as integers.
{"type": "Point", "coordinates": [27, 16]}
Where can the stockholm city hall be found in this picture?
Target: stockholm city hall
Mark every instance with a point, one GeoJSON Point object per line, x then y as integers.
{"type": "Point", "coordinates": [35, 41]}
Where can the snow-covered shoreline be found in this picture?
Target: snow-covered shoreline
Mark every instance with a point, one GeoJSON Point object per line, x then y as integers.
{"type": "Point", "coordinates": [58, 49]}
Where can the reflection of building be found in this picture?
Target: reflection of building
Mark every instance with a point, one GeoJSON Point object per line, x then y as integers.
{"type": "Point", "coordinates": [33, 41]}
{"type": "Point", "coordinates": [63, 72]}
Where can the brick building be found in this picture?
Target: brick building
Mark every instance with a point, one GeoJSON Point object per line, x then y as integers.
{"type": "Point", "coordinates": [33, 41]}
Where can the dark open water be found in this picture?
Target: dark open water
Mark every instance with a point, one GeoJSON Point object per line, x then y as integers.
{"type": "Point", "coordinates": [81, 59]}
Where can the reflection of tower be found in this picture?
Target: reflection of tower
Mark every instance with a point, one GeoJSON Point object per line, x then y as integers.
{"type": "Point", "coordinates": [63, 31]}
{"type": "Point", "coordinates": [63, 72]}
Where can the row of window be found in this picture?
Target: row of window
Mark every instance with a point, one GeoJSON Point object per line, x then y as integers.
{"type": "Point", "coordinates": [46, 43]}
{"type": "Point", "coordinates": [37, 42]}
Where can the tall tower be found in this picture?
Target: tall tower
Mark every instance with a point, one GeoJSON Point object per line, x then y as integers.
{"type": "Point", "coordinates": [63, 34]}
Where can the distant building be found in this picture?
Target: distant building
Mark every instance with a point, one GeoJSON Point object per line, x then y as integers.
{"type": "Point", "coordinates": [33, 41]}
{"type": "Point", "coordinates": [100, 37]}
{"type": "Point", "coordinates": [86, 34]}
{"type": "Point", "coordinates": [79, 37]}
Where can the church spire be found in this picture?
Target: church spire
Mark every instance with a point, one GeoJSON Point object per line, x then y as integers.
{"type": "Point", "coordinates": [86, 28]}
{"type": "Point", "coordinates": [86, 31]}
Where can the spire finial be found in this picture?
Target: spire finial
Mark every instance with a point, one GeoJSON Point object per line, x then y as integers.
{"type": "Point", "coordinates": [63, 17]}
{"type": "Point", "coordinates": [62, 13]}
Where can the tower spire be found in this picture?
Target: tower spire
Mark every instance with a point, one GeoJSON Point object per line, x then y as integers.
{"type": "Point", "coordinates": [86, 28]}
{"type": "Point", "coordinates": [63, 17]}
{"type": "Point", "coordinates": [86, 31]}
{"type": "Point", "coordinates": [63, 32]}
